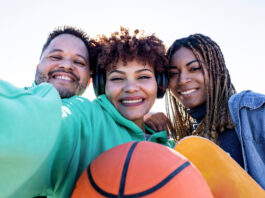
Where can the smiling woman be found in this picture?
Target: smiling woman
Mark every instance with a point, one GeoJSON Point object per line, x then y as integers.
{"type": "Point", "coordinates": [201, 101]}
{"type": "Point", "coordinates": [132, 89]}
{"type": "Point", "coordinates": [131, 72]}
{"type": "Point", "coordinates": [188, 83]}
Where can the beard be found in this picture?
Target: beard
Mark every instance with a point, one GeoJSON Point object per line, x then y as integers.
{"type": "Point", "coordinates": [64, 92]}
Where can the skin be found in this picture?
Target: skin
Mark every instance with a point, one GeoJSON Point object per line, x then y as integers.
{"type": "Point", "coordinates": [132, 89]}
{"type": "Point", "coordinates": [187, 81]}
{"type": "Point", "coordinates": [65, 64]}
{"type": "Point", "coordinates": [156, 121]}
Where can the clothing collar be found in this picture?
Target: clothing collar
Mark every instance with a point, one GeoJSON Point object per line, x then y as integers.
{"type": "Point", "coordinates": [107, 106]}
{"type": "Point", "coordinates": [198, 112]}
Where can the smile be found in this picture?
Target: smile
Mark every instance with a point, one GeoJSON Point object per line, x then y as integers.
{"type": "Point", "coordinates": [187, 92]}
{"type": "Point", "coordinates": [63, 77]}
{"type": "Point", "coordinates": [131, 101]}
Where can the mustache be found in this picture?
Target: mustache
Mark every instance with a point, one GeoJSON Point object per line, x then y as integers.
{"type": "Point", "coordinates": [64, 71]}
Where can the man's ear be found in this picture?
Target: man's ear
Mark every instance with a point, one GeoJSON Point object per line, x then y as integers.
{"type": "Point", "coordinates": [37, 67]}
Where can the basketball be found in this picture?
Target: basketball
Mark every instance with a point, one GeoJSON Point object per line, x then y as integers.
{"type": "Point", "coordinates": [141, 169]}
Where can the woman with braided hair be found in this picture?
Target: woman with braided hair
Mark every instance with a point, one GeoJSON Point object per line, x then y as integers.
{"type": "Point", "coordinates": [201, 101]}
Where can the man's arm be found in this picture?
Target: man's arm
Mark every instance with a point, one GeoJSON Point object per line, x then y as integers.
{"type": "Point", "coordinates": [30, 122]}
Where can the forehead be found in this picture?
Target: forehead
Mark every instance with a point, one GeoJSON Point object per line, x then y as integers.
{"type": "Point", "coordinates": [182, 55]}
{"type": "Point", "coordinates": [132, 66]}
{"type": "Point", "coordinates": [68, 43]}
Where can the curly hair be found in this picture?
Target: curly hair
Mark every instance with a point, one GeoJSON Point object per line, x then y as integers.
{"type": "Point", "coordinates": [125, 47]}
{"type": "Point", "coordinates": [219, 90]}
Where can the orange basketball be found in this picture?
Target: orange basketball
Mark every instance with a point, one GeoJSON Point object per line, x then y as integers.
{"type": "Point", "coordinates": [141, 169]}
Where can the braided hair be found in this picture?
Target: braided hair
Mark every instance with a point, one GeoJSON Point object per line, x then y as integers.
{"type": "Point", "coordinates": [219, 90]}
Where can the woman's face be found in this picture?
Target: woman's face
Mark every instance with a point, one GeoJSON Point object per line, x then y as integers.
{"type": "Point", "coordinates": [187, 82]}
{"type": "Point", "coordinates": [132, 89]}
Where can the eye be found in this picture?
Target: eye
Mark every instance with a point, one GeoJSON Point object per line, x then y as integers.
{"type": "Point", "coordinates": [116, 79]}
{"type": "Point", "coordinates": [173, 73]}
{"type": "Point", "coordinates": [144, 77]}
{"type": "Point", "coordinates": [80, 63]}
{"type": "Point", "coordinates": [195, 68]}
{"type": "Point", "coordinates": [55, 57]}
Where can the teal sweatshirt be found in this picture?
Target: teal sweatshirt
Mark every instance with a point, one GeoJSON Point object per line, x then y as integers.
{"type": "Point", "coordinates": [46, 143]}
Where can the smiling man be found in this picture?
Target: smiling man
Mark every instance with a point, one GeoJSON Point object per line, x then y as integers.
{"type": "Point", "coordinates": [64, 61]}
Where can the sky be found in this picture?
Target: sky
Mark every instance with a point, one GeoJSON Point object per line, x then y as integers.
{"type": "Point", "coordinates": [238, 26]}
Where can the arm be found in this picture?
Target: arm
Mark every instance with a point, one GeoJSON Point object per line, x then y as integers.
{"type": "Point", "coordinates": [30, 122]}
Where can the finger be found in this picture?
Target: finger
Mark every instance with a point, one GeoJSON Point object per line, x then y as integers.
{"type": "Point", "coordinates": [151, 125]}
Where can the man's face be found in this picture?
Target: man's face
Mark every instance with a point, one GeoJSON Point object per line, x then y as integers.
{"type": "Point", "coordinates": [65, 64]}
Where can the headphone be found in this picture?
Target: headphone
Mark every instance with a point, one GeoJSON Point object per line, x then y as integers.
{"type": "Point", "coordinates": [99, 82]}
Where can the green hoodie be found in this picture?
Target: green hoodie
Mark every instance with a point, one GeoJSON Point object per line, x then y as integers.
{"type": "Point", "coordinates": [46, 143]}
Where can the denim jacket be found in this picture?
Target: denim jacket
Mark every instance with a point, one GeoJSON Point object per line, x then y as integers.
{"type": "Point", "coordinates": [248, 114]}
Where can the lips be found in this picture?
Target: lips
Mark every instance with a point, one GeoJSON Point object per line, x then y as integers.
{"type": "Point", "coordinates": [131, 101]}
{"type": "Point", "coordinates": [63, 75]}
{"type": "Point", "coordinates": [187, 91]}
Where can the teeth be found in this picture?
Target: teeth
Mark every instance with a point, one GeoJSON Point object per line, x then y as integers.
{"type": "Point", "coordinates": [188, 92]}
{"type": "Point", "coordinates": [63, 78]}
{"type": "Point", "coordinates": [131, 101]}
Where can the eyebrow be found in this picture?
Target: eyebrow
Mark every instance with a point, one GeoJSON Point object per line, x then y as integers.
{"type": "Point", "coordinates": [55, 50]}
{"type": "Point", "coordinates": [59, 50]}
{"type": "Point", "coordinates": [188, 64]}
{"type": "Point", "coordinates": [144, 69]}
{"type": "Point", "coordinates": [138, 71]}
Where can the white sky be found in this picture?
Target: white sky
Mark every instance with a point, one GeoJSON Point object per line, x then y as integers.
{"type": "Point", "coordinates": [238, 26]}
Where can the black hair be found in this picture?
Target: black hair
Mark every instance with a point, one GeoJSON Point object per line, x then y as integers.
{"type": "Point", "coordinates": [67, 30]}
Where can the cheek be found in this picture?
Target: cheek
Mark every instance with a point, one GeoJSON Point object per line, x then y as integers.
{"type": "Point", "coordinates": [112, 92]}
{"type": "Point", "coordinates": [45, 67]}
{"type": "Point", "coordinates": [173, 87]}
{"type": "Point", "coordinates": [83, 74]}
{"type": "Point", "coordinates": [151, 89]}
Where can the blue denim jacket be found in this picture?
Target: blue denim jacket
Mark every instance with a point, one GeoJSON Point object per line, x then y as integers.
{"type": "Point", "coordinates": [248, 114]}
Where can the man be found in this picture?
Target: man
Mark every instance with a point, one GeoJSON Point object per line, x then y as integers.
{"type": "Point", "coordinates": [64, 61]}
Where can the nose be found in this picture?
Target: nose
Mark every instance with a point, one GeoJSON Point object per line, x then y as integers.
{"type": "Point", "coordinates": [67, 64]}
{"type": "Point", "coordinates": [184, 78]}
{"type": "Point", "coordinates": [131, 86]}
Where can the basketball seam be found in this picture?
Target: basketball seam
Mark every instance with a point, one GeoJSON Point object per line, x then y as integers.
{"type": "Point", "coordinates": [125, 169]}
{"type": "Point", "coordinates": [123, 179]}
{"type": "Point", "coordinates": [160, 184]}
{"type": "Point", "coordinates": [96, 187]}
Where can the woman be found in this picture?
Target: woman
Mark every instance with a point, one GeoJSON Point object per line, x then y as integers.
{"type": "Point", "coordinates": [64, 136]}
{"type": "Point", "coordinates": [197, 103]}
{"type": "Point", "coordinates": [130, 71]}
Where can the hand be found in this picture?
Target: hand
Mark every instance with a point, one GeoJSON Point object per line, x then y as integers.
{"type": "Point", "coordinates": [157, 121]}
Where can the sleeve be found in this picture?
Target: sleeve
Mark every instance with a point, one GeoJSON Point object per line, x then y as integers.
{"type": "Point", "coordinates": [30, 122]}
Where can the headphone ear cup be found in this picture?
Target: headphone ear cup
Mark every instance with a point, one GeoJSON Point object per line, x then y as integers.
{"type": "Point", "coordinates": [95, 82]}
{"type": "Point", "coordinates": [162, 84]}
{"type": "Point", "coordinates": [98, 82]}
{"type": "Point", "coordinates": [101, 83]}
